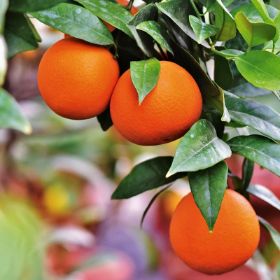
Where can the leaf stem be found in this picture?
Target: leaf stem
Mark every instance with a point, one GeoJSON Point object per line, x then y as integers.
{"type": "Point", "coordinates": [273, 46]}
{"type": "Point", "coordinates": [151, 203]}
{"type": "Point", "coordinates": [196, 10]}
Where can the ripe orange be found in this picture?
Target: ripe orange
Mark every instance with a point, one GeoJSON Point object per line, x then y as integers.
{"type": "Point", "coordinates": [124, 3]}
{"type": "Point", "coordinates": [166, 113]}
{"type": "Point", "coordinates": [76, 79]}
{"type": "Point", "coordinates": [233, 241]}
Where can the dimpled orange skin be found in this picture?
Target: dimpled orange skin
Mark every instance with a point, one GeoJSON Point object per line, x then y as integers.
{"type": "Point", "coordinates": [166, 113]}
{"type": "Point", "coordinates": [233, 241]}
{"type": "Point", "coordinates": [76, 79]}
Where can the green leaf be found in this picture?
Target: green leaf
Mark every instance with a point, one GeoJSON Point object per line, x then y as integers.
{"type": "Point", "coordinates": [256, 115]}
{"type": "Point", "coordinates": [20, 236]}
{"type": "Point", "coordinates": [20, 34]}
{"type": "Point", "coordinates": [254, 33]}
{"type": "Point", "coordinates": [199, 149]}
{"type": "Point", "coordinates": [260, 68]}
{"type": "Point", "coordinates": [229, 53]}
{"type": "Point", "coordinates": [258, 149]}
{"type": "Point", "coordinates": [147, 13]}
{"type": "Point", "coordinates": [251, 12]}
{"type": "Point", "coordinates": [32, 5]}
{"type": "Point", "coordinates": [3, 9]}
{"type": "Point", "coordinates": [272, 231]}
{"type": "Point", "coordinates": [10, 114]}
{"type": "Point", "coordinates": [145, 176]}
{"type": "Point", "coordinates": [202, 30]}
{"type": "Point", "coordinates": [144, 75]}
{"type": "Point", "coordinates": [220, 2]}
{"type": "Point", "coordinates": [225, 23]}
{"type": "Point", "coordinates": [77, 22]}
{"type": "Point", "coordinates": [156, 32]}
{"type": "Point", "coordinates": [265, 194]}
{"type": "Point", "coordinates": [247, 172]}
{"type": "Point", "coordinates": [261, 7]}
{"type": "Point", "coordinates": [105, 120]}
{"type": "Point", "coordinates": [110, 12]}
{"type": "Point", "coordinates": [222, 72]}
{"type": "Point", "coordinates": [212, 94]}
{"type": "Point", "coordinates": [208, 187]}
{"type": "Point", "coordinates": [177, 10]}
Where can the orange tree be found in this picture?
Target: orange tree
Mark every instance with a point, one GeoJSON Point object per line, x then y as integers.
{"type": "Point", "coordinates": [191, 69]}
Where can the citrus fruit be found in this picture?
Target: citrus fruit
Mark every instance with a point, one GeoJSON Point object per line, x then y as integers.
{"type": "Point", "coordinates": [233, 241]}
{"type": "Point", "coordinates": [166, 113]}
{"type": "Point", "coordinates": [76, 79]}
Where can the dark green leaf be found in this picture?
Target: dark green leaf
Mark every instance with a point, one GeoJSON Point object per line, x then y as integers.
{"type": "Point", "coordinates": [76, 21]}
{"type": "Point", "coordinates": [10, 114]}
{"type": "Point", "coordinates": [147, 13]}
{"type": "Point", "coordinates": [20, 34]}
{"type": "Point", "coordinates": [32, 5]}
{"type": "Point", "coordinates": [199, 149]}
{"type": "Point", "coordinates": [177, 11]}
{"type": "Point", "coordinates": [254, 33]}
{"type": "Point", "coordinates": [208, 188]}
{"type": "Point", "coordinates": [256, 115]}
{"type": "Point", "coordinates": [212, 95]}
{"type": "Point", "coordinates": [272, 231]}
{"type": "Point", "coordinates": [258, 149]}
{"type": "Point", "coordinates": [247, 172]}
{"type": "Point", "coordinates": [222, 72]}
{"type": "Point", "coordinates": [110, 12]}
{"type": "Point", "coordinates": [144, 75]}
{"type": "Point", "coordinates": [145, 176]}
{"type": "Point", "coordinates": [260, 68]}
{"type": "Point", "coordinates": [265, 194]}
{"type": "Point", "coordinates": [105, 120]}
{"type": "Point", "coordinates": [156, 32]}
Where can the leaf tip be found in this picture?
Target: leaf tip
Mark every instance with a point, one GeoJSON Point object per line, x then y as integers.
{"type": "Point", "coordinates": [114, 196]}
{"type": "Point", "coordinates": [169, 174]}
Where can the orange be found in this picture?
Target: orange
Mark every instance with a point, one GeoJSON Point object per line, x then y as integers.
{"type": "Point", "coordinates": [76, 79]}
{"type": "Point", "coordinates": [233, 241]}
{"type": "Point", "coordinates": [124, 3]}
{"type": "Point", "coordinates": [166, 113]}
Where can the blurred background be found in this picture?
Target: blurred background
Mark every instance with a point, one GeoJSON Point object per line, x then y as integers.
{"type": "Point", "coordinates": [57, 220]}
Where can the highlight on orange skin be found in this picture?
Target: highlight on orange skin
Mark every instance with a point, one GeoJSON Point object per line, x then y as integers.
{"type": "Point", "coordinates": [233, 241]}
